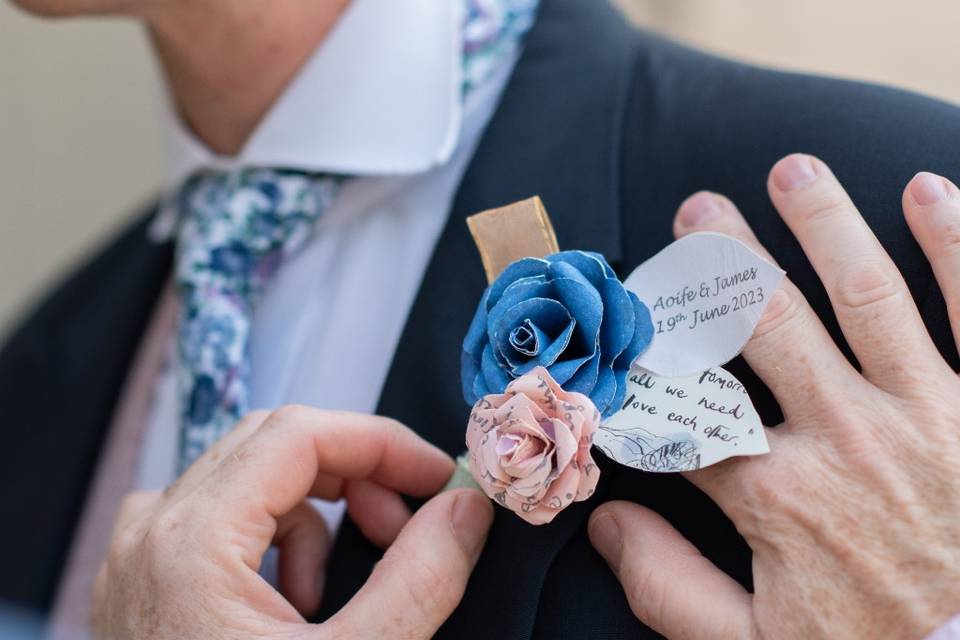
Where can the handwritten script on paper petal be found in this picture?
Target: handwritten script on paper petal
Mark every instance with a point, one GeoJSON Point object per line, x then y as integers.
{"type": "Point", "coordinates": [681, 424]}
{"type": "Point", "coordinates": [705, 293]}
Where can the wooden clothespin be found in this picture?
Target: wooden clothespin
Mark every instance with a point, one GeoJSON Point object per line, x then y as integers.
{"type": "Point", "coordinates": [506, 234]}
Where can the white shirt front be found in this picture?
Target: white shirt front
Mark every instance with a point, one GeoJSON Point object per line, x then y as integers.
{"type": "Point", "coordinates": [391, 114]}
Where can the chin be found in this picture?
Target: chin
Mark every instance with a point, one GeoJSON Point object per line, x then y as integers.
{"type": "Point", "coordinates": [56, 8]}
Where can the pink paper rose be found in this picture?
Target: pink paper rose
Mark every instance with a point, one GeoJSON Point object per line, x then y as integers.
{"type": "Point", "coordinates": [530, 446]}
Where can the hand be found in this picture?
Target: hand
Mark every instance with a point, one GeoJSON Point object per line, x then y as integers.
{"type": "Point", "coordinates": [184, 564]}
{"type": "Point", "coordinates": [854, 518]}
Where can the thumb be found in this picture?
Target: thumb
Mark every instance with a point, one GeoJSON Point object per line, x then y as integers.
{"type": "Point", "coordinates": [423, 574]}
{"type": "Point", "coordinates": [670, 586]}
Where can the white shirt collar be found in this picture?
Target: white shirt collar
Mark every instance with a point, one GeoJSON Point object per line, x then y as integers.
{"type": "Point", "coordinates": [381, 95]}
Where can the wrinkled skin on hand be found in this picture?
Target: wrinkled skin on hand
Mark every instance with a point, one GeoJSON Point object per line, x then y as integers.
{"type": "Point", "coordinates": [854, 518]}
{"type": "Point", "coordinates": [183, 564]}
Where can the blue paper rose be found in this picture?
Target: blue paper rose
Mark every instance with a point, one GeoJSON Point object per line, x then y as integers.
{"type": "Point", "coordinates": [567, 312]}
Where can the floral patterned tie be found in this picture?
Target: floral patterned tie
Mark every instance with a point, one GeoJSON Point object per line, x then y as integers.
{"type": "Point", "coordinates": [238, 227]}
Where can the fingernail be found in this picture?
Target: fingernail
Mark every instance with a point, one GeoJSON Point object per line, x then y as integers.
{"type": "Point", "coordinates": [794, 172]}
{"type": "Point", "coordinates": [698, 209]}
{"type": "Point", "coordinates": [606, 538]}
{"type": "Point", "coordinates": [927, 188]}
{"type": "Point", "coordinates": [470, 518]}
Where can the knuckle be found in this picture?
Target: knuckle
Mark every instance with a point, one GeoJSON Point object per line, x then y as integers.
{"type": "Point", "coordinates": [126, 539]}
{"type": "Point", "coordinates": [170, 520]}
{"type": "Point", "coordinates": [134, 498]}
{"type": "Point", "coordinates": [397, 427]}
{"type": "Point", "coordinates": [857, 446]}
{"type": "Point", "coordinates": [257, 416]}
{"type": "Point", "coordinates": [121, 546]}
{"type": "Point", "coordinates": [865, 284]}
{"type": "Point", "coordinates": [131, 503]}
{"type": "Point", "coordinates": [772, 507]}
{"type": "Point", "coordinates": [433, 591]}
{"type": "Point", "coordinates": [125, 542]}
{"type": "Point", "coordinates": [157, 541]}
{"type": "Point", "coordinates": [839, 416]}
{"type": "Point", "coordinates": [950, 238]}
{"type": "Point", "coordinates": [387, 433]}
{"type": "Point", "coordinates": [824, 204]}
{"type": "Point", "coordinates": [783, 309]}
{"type": "Point", "coordinates": [134, 503]}
{"type": "Point", "coordinates": [647, 595]}
{"type": "Point", "coordinates": [289, 415]}
{"type": "Point", "coordinates": [768, 494]}
{"type": "Point", "coordinates": [393, 431]}
{"type": "Point", "coordinates": [769, 497]}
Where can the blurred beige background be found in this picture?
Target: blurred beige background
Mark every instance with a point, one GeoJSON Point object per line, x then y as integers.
{"type": "Point", "coordinates": [79, 147]}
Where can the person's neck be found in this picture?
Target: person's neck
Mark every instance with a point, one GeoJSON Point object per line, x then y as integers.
{"type": "Point", "coordinates": [226, 63]}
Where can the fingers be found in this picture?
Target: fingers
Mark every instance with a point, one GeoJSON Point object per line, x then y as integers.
{"type": "Point", "coordinates": [931, 204]}
{"type": "Point", "coordinates": [789, 344]}
{"type": "Point", "coordinates": [870, 298]}
{"type": "Point", "coordinates": [304, 545]}
{"type": "Point", "coordinates": [378, 512]}
{"type": "Point", "coordinates": [300, 451]}
{"type": "Point", "coordinates": [134, 506]}
{"type": "Point", "coordinates": [670, 586]}
{"type": "Point", "coordinates": [422, 577]}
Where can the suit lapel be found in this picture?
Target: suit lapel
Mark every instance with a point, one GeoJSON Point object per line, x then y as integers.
{"type": "Point", "coordinates": [544, 139]}
{"type": "Point", "coordinates": [61, 375]}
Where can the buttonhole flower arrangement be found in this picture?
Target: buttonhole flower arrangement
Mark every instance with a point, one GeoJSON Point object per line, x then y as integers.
{"type": "Point", "coordinates": [544, 361]}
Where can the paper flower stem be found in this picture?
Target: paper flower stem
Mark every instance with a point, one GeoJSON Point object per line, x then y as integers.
{"type": "Point", "coordinates": [461, 478]}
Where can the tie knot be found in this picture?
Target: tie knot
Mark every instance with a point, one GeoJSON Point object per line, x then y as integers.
{"type": "Point", "coordinates": [237, 227]}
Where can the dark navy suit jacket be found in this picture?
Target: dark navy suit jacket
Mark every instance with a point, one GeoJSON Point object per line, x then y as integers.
{"type": "Point", "coordinates": [613, 128]}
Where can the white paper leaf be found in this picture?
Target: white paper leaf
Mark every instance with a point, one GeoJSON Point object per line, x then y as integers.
{"type": "Point", "coordinates": [705, 293]}
{"type": "Point", "coordinates": [681, 424]}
